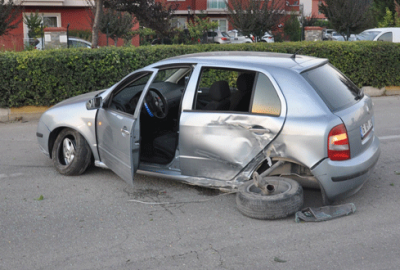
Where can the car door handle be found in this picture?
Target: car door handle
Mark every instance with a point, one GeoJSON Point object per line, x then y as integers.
{"type": "Point", "coordinates": [125, 131]}
{"type": "Point", "coordinates": [260, 130]}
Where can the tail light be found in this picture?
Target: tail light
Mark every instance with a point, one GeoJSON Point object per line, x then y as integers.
{"type": "Point", "coordinates": [224, 38]}
{"type": "Point", "coordinates": [338, 143]}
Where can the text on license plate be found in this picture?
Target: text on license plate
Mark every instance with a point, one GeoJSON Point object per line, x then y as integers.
{"type": "Point", "coordinates": [366, 128]}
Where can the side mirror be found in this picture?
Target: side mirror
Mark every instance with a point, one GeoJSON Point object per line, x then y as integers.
{"type": "Point", "coordinates": [94, 103]}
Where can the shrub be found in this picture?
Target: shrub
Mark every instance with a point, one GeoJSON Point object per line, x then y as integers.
{"type": "Point", "coordinates": [47, 77]}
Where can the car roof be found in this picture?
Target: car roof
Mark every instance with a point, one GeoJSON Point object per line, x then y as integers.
{"type": "Point", "coordinates": [383, 29]}
{"type": "Point", "coordinates": [246, 59]}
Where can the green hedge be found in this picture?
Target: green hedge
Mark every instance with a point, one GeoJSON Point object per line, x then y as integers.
{"type": "Point", "coordinates": [47, 77]}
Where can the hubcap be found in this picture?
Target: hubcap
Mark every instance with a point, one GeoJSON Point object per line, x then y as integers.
{"type": "Point", "coordinates": [68, 151]}
{"type": "Point", "coordinates": [274, 187]}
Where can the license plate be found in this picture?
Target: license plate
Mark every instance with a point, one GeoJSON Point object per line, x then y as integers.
{"type": "Point", "coordinates": [365, 128]}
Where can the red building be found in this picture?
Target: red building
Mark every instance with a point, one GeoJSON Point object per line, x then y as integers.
{"type": "Point", "coordinates": [315, 11]}
{"type": "Point", "coordinates": [54, 13]}
{"type": "Point", "coordinates": [216, 10]}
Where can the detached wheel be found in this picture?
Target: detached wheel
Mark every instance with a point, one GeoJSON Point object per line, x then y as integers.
{"type": "Point", "coordinates": [71, 153]}
{"type": "Point", "coordinates": [285, 197]}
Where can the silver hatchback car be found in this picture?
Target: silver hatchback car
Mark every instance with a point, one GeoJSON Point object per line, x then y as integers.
{"type": "Point", "coordinates": [220, 119]}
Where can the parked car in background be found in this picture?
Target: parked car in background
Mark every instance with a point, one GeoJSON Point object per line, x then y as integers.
{"type": "Point", "coordinates": [73, 42]}
{"type": "Point", "coordinates": [327, 34]}
{"type": "Point", "coordinates": [237, 37]}
{"type": "Point", "coordinates": [221, 120]}
{"type": "Point", "coordinates": [267, 37]}
{"type": "Point", "coordinates": [163, 41]}
{"type": "Point", "coordinates": [218, 37]}
{"type": "Point", "coordinates": [390, 34]}
{"type": "Point", "coordinates": [335, 36]}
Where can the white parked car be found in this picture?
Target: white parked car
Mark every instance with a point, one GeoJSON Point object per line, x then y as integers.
{"type": "Point", "coordinates": [72, 41]}
{"type": "Point", "coordinates": [238, 37]}
{"type": "Point", "coordinates": [267, 37]}
{"type": "Point", "coordinates": [390, 34]}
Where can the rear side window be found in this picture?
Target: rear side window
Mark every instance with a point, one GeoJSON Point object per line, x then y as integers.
{"type": "Point", "coordinates": [265, 100]}
{"type": "Point", "coordinates": [335, 89]}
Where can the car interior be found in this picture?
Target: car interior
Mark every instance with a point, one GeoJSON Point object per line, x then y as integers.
{"type": "Point", "coordinates": [218, 90]}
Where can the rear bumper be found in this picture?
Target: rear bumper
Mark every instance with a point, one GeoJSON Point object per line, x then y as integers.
{"type": "Point", "coordinates": [344, 178]}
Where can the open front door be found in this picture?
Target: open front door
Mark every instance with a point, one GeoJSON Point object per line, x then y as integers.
{"type": "Point", "coordinates": [118, 143]}
{"type": "Point", "coordinates": [118, 125]}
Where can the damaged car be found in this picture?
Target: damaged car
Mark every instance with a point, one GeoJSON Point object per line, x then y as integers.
{"type": "Point", "coordinates": [262, 124]}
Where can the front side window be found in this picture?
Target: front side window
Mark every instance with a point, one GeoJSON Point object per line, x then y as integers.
{"type": "Point", "coordinates": [335, 89]}
{"type": "Point", "coordinates": [126, 99]}
{"type": "Point", "coordinates": [386, 37]}
{"type": "Point", "coordinates": [170, 82]}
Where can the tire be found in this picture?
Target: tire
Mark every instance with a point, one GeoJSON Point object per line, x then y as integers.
{"type": "Point", "coordinates": [284, 201]}
{"type": "Point", "coordinates": [71, 153]}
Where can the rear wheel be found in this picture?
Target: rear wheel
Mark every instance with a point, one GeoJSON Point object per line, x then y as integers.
{"type": "Point", "coordinates": [71, 153]}
{"type": "Point", "coordinates": [285, 197]}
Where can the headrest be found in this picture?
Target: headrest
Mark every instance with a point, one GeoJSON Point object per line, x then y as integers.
{"type": "Point", "coordinates": [220, 90]}
{"type": "Point", "coordinates": [244, 82]}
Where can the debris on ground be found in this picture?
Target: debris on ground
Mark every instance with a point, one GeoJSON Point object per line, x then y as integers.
{"type": "Point", "coordinates": [276, 259]}
{"type": "Point", "coordinates": [324, 213]}
{"type": "Point", "coordinates": [40, 198]}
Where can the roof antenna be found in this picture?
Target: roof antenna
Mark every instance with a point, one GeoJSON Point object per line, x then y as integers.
{"type": "Point", "coordinates": [296, 52]}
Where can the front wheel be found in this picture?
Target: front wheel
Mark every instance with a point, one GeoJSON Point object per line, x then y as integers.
{"type": "Point", "coordinates": [71, 153]}
{"type": "Point", "coordinates": [285, 197]}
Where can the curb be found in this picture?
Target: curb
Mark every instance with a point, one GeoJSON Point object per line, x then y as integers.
{"type": "Point", "coordinates": [26, 113]}
{"type": "Point", "coordinates": [29, 113]}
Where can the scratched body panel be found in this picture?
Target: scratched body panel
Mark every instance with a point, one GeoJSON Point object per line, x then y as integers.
{"type": "Point", "coordinates": [220, 145]}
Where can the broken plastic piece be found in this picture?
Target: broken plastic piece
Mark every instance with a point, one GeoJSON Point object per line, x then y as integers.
{"type": "Point", "coordinates": [325, 213]}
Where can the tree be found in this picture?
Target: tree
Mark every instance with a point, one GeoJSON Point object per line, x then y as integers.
{"type": "Point", "coordinates": [98, 7]}
{"type": "Point", "coordinates": [200, 26]}
{"type": "Point", "coordinates": [255, 16]}
{"type": "Point", "coordinates": [149, 13]}
{"type": "Point", "coordinates": [347, 16]}
{"type": "Point", "coordinates": [34, 23]}
{"type": "Point", "coordinates": [117, 24]}
{"type": "Point", "coordinates": [292, 28]}
{"type": "Point", "coordinates": [9, 13]}
{"type": "Point", "coordinates": [389, 20]}
{"type": "Point", "coordinates": [380, 8]}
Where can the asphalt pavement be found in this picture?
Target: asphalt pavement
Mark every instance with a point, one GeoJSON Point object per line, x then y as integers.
{"type": "Point", "coordinates": [50, 221]}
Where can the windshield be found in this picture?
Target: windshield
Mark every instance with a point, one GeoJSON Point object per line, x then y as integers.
{"type": "Point", "coordinates": [224, 34]}
{"type": "Point", "coordinates": [335, 89]}
{"type": "Point", "coordinates": [368, 35]}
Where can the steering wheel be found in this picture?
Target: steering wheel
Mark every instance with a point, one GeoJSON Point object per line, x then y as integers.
{"type": "Point", "coordinates": [156, 104]}
{"type": "Point", "coordinates": [119, 106]}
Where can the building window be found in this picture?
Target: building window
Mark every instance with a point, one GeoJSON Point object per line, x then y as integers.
{"type": "Point", "coordinates": [216, 4]}
{"type": "Point", "coordinates": [178, 22]}
{"type": "Point", "coordinates": [222, 24]}
{"type": "Point", "coordinates": [50, 21]}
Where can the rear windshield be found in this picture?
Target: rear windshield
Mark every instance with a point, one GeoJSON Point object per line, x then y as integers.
{"type": "Point", "coordinates": [335, 89]}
